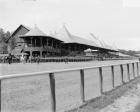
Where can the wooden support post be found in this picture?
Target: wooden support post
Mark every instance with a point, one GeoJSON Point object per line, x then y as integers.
{"type": "Point", "coordinates": [31, 41]}
{"type": "Point", "coordinates": [112, 70]}
{"type": "Point", "coordinates": [0, 97]}
{"type": "Point", "coordinates": [101, 80]}
{"type": "Point", "coordinates": [47, 44]}
{"type": "Point", "coordinates": [137, 68]}
{"type": "Point", "coordinates": [133, 67]}
{"type": "Point", "coordinates": [41, 42]}
{"type": "Point", "coordinates": [52, 92]}
{"type": "Point", "coordinates": [82, 85]}
{"type": "Point", "coordinates": [35, 43]}
{"type": "Point", "coordinates": [122, 77]}
{"type": "Point", "coordinates": [128, 72]}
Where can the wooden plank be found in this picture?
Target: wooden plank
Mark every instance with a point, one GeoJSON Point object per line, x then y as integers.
{"type": "Point", "coordinates": [122, 75]}
{"type": "Point", "coordinates": [128, 72]}
{"type": "Point", "coordinates": [0, 97]}
{"type": "Point", "coordinates": [52, 92]}
{"type": "Point", "coordinates": [82, 85]}
{"type": "Point", "coordinates": [112, 70]}
{"type": "Point", "coordinates": [101, 80]}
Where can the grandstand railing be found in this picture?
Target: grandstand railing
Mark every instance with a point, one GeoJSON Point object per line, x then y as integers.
{"type": "Point", "coordinates": [51, 75]}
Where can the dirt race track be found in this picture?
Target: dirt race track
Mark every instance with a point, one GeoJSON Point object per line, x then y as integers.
{"type": "Point", "coordinates": [32, 94]}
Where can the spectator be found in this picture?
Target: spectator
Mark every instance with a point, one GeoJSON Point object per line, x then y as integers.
{"type": "Point", "coordinates": [66, 60]}
{"type": "Point", "coordinates": [38, 59]}
{"type": "Point", "coordinates": [30, 59]}
{"type": "Point", "coordinates": [10, 59]}
{"type": "Point", "coordinates": [22, 58]}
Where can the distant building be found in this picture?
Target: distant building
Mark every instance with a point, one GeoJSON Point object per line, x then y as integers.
{"type": "Point", "coordinates": [15, 42]}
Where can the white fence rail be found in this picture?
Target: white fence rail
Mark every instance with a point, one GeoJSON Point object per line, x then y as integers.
{"type": "Point", "coordinates": [51, 75]}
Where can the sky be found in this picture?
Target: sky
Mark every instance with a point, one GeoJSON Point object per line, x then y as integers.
{"type": "Point", "coordinates": [117, 22]}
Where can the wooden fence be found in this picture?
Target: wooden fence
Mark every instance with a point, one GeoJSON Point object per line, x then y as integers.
{"type": "Point", "coordinates": [51, 74]}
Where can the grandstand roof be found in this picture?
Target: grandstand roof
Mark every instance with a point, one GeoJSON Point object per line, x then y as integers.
{"type": "Point", "coordinates": [96, 40]}
{"type": "Point", "coordinates": [63, 34]}
{"type": "Point", "coordinates": [35, 32]}
{"type": "Point", "coordinates": [67, 37]}
{"type": "Point", "coordinates": [101, 43]}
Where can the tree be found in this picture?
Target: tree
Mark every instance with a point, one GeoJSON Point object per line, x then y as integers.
{"type": "Point", "coordinates": [3, 37]}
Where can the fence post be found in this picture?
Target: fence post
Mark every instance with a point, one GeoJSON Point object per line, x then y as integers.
{"type": "Point", "coordinates": [122, 78]}
{"type": "Point", "coordinates": [133, 69]}
{"type": "Point", "coordinates": [137, 68]}
{"type": "Point", "coordinates": [101, 80]}
{"type": "Point", "coordinates": [82, 85]}
{"type": "Point", "coordinates": [112, 70]}
{"type": "Point", "coordinates": [128, 72]}
{"type": "Point", "coordinates": [0, 96]}
{"type": "Point", "coordinates": [52, 91]}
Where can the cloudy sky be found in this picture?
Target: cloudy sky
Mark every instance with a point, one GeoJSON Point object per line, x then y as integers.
{"type": "Point", "coordinates": [117, 22]}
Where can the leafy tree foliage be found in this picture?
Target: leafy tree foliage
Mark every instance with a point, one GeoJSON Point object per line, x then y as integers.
{"type": "Point", "coordinates": [3, 37]}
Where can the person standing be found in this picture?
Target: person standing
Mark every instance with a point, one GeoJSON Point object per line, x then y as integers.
{"type": "Point", "coordinates": [30, 59]}
{"type": "Point", "coordinates": [22, 58]}
{"type": "Point", "coordinates": [38, 59]}
{"type": "Point", "coordinates": [10, 58]}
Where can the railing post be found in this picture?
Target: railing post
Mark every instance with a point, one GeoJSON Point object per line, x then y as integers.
{"type": "Point", "coordinates": [112, 70]}
{"type": "Point", "coordinates": [0, 96]}
{"type": "Point", "coordinates": [82, 85]}
{"type": "Point", "coordinates": [101, 80]}
{"type": "Point", "coordinates": [137, 68]}
{"type": "Point", "coordinates": [52, 92]}
{"type": "Point", "coordinates": [133, 69]}
{"type": "Point", "coordinates": [122, 77]}
{"type": "Point", "coordinates": [128, 72]}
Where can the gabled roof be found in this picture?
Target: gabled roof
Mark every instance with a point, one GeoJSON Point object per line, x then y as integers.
{"type": "Point", "coordinates": [96, 40]}
{"type": "Point", "coordinates": [81, 40]}
{"type": "Point", "coordinates": [35, 32]}
{"type": "Point", "coordinates": [64, 35]}
{"type": "Point", "coordinates": [14, 32]}
{"type": "Point", "coordinates": [102, 44]}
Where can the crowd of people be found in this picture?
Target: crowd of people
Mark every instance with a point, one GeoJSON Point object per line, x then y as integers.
{"type": "Point", "coordinates": [22, 58]}
{"type": "Point", "coordinates": [25, 58]}
{"type": "Point", "coordinates": [28, 59]}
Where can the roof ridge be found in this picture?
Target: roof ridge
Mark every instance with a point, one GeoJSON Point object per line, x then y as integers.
{"type": "Point", "coordinates": [67, 30]}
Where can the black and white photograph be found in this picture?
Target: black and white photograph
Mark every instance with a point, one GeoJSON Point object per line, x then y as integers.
{"type": "Point", "coordinates": [69, 55]}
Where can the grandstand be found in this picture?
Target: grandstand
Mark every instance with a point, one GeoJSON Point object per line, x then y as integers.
{"type": "Point", "coordinates": [34, 42]}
